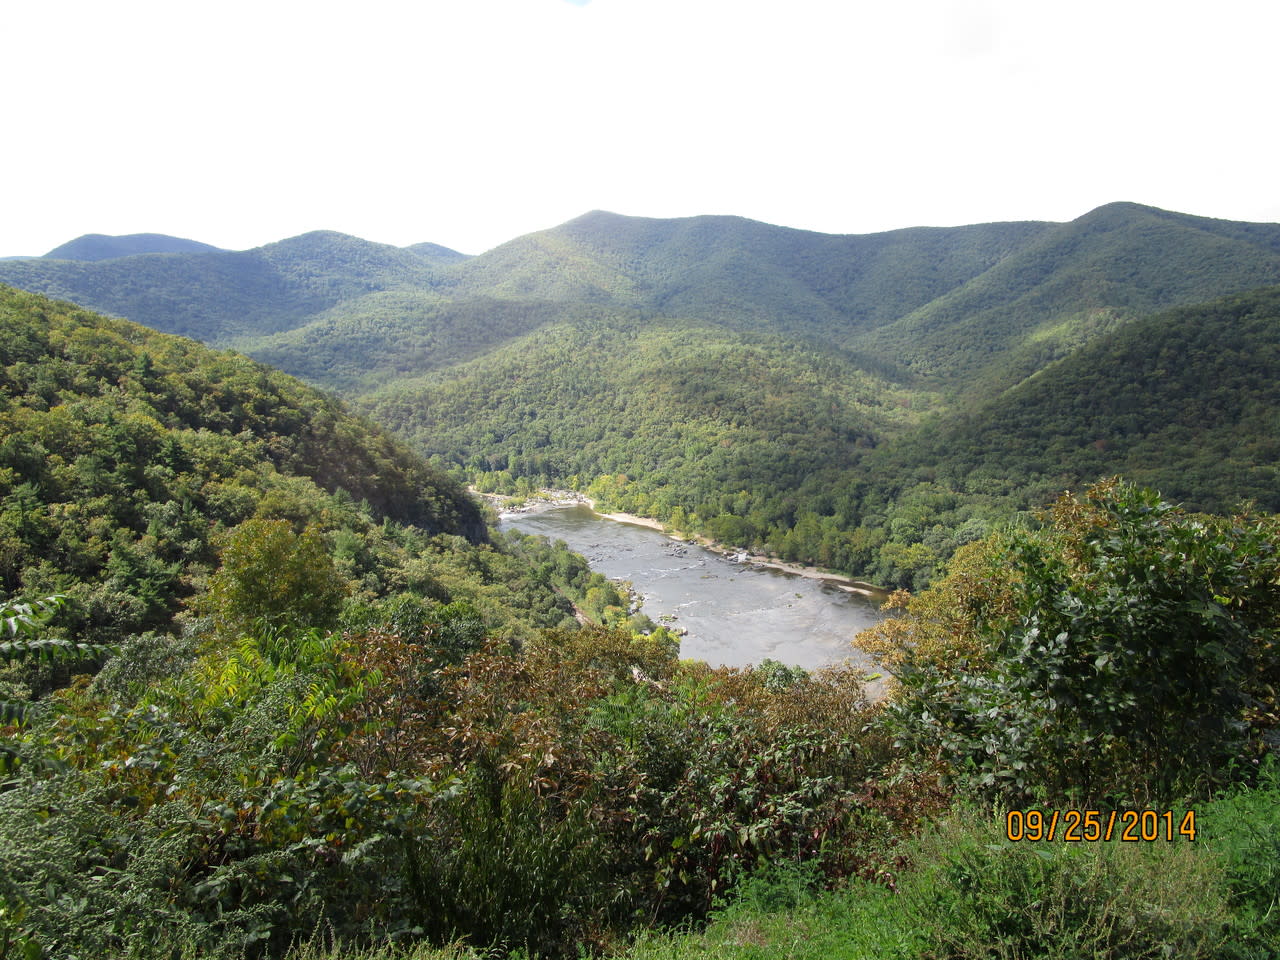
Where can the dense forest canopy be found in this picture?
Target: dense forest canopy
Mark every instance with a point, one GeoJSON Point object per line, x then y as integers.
{"type": "Point", "coordinates": [866, 403]}
{"type": "Point", "coordinates": [127, 455]}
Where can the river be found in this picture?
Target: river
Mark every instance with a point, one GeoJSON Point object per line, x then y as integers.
{"type": "Point", "coordinates": [735, 614]}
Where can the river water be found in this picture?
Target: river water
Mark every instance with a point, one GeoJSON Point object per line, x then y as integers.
{"type": "Point", "coordinates": [735, 614]}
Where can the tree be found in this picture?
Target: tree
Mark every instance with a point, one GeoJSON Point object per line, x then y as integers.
{"type": "Point", "coordinates": [270, 574]}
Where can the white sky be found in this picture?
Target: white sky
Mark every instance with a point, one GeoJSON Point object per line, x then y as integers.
{"type": "Point", "coordinates": [469, 122]}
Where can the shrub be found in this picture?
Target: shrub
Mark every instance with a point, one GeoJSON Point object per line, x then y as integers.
{"type": "Point", "coordinates": [1140, 640]}
{"type": "Point", "coordinates": [502, 866]}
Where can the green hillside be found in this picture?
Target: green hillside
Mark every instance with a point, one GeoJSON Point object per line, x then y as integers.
{"type": "Point", "coordinates": [773, 387]}
{"type": "Point", "coordinates": [362, 343]}
{"type": "Point", "coordinates": [1072, 283]}
{"type": "Point", "coordinates": [1186, 401]}
{"type": "Point", "coordinates": [738, 271]}
{"type": "Point", "coordinates": [700, 417]}
{"type": "Point", "coordinates": [125, 454]}
{"type": "Point", "coordinates": [219, 297]}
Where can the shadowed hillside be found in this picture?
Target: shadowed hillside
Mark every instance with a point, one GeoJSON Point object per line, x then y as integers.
{"type": "Point", "coordinates": [824, 397]}
{"type": "Point", "coordinates": [1186, 401]}
{"type": "Point", "coordinates": [126, 452]}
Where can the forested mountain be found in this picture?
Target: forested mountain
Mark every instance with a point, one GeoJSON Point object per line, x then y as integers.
{"type": "Point", "coordinates": [976, 307]}
{"type": "Point", "coordinates": [218, 297]}
{"type": "Point", "coordinates": [362, 344]}
{"type": "Point", "coordinates": [824, 397]}
{"type": "Point", "coordinates": [1069, 284]}
{"type": "Point", "coordinates": [126, 453]}
{"type": "Point", "coordinates": [655, 401]}
{"type": "Point", "coordinates": [1186, 401]}
{"type": "Point", "coordinates": [97, 246]}
{"type": "Point", "coordinates": [741, 272]}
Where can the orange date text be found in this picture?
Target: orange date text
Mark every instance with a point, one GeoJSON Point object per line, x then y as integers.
{"type": "Point", "coordinates": [1092, 826]}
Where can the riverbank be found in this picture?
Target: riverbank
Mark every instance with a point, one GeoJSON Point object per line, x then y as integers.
{"type": "Point", "coordinates": [738, 555]}
{"type": "Point", "coordinates": [563, 498]}
{"type": "Point", "coordinates": [632, 519]}
{"type": "Point", "coordinates": [733, 614]}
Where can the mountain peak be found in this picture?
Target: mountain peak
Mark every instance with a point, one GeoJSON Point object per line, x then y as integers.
{"type": "Point", "coordinates": [98, 246]}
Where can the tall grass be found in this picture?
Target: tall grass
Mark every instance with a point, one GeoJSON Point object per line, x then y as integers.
{"type": "Point", "coordinates": [975, 895]}
{"type": "Point", "coordinates": [1242, 829]}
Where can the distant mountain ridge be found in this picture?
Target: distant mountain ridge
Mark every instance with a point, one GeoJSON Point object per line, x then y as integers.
{"type": "Point", "coordinates": [222, 296]}
{"type": "Point", "coordinates": [824, 396]}
{"type": "Point", "coordinates": [437, 253]}
{"type": "Point", "coordinates": [97, 246]}
{"type": "Point", "coordinates": [1122, 259]}
{"type": "Point", "coordinates": [942, 303]}
{"type": "Point", "coordinates": [738, 270]}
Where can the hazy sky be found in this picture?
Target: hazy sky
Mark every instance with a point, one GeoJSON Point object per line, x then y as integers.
{"type": "Point", "coordinates": [469, 122]}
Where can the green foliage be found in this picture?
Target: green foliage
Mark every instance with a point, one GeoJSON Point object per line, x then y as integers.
{"type": "Point", "coordinates": [781, 911]}
{"type": "Point", "coordinates": [14, 942]}
{"type": "Point", "coordinates": [862, 921]}
{"type": "Point", "coordinates": [1182, 401]}
{"type": "Point", "coordinates": [23, 621]}
{"type": "Point", "coordinates": [142, 661]}
{"type": "Point", "coordinates": [25, 618]}
{"type": "Point", "coordinates": [1242, 827]}
{"type": "Point", "coordinates": [506, 867]}
{"type": "Point", "coordinates": [125, 453]}
{"type": "Point", "coordinates": [976, 895]}
{"type": "Point", "coordinates": [526, 799]}
{"type": "Point", "coordinates": [271, 575]}
{"type": "Point", "coordinates": [213, 809]}
{"type": "Point", "coordinates": [733, 770]}
{"type": "Point", "coordinates": [1138, 636]}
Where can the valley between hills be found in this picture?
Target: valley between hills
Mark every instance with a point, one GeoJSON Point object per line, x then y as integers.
{"type": "Point", "coordinates": [273, 684]}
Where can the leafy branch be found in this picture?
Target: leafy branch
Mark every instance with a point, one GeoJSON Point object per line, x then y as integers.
{"type": "Point", "coordinates": [21, 622]}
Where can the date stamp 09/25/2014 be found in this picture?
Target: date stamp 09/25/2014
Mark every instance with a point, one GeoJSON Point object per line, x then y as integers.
{"type": "Point", "coordinates": [1093, 826]}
